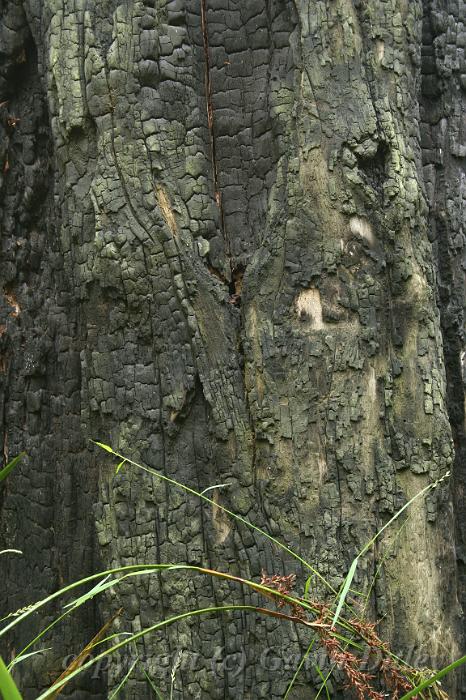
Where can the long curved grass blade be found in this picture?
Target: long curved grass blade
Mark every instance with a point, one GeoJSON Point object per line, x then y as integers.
{"type": "Point", "coordinates": [10, 466]}
{"type": "Point", "coordinates": [433, 679]}
{"type": "Point", "coordinates": [95, 590]}
{"type": "Point", "coordinates": [105, 583]}
{"type": "Point", "coordinates": [88, 579]}
{"type": "Point", "coordinates": [22, 657]}
{"type": "Point", "coordinates": [56, 687]}
{"type": "Point", "coordinates": [270, 593]}
{"type": "Point", "coordinates": [264, 590]}
{"type": "Point", "coordinates": [8, 687]}
{"type": "Point", "coordinates": [237, 517]}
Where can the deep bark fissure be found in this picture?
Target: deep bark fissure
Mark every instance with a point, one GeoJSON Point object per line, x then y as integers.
{"type": "Point", "coordinates": [211, 128]}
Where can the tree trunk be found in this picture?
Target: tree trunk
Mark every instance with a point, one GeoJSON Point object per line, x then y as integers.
{"type": "Point", "coordinates": [231, 241]}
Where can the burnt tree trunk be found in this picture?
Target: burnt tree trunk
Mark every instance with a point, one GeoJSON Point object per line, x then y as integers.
{"type": "Point", "coordinates": [231, 247]}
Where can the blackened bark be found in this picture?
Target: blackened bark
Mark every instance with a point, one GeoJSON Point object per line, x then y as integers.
{"type": "Point", "coordinates": [216, 257]}
{"type": "Point", "coordinates": [444, 152]}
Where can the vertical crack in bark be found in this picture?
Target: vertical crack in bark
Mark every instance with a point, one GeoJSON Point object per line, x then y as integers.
{"type": "Point", "coordinates": [210, 124]}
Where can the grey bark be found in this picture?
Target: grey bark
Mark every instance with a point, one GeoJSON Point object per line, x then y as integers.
{"type": "Point", "coordinates": [232, 247]}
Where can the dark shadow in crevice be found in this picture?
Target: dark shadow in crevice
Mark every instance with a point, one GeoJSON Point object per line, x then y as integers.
{"type": "Point", "coordinates": [375, 167]}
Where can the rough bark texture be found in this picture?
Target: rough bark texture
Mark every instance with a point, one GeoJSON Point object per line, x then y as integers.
{"type": "Point", "coordinates": [231, 243]}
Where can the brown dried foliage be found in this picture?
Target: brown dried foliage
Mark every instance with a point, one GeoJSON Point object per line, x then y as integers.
{"type": "Point", "coordinates": [359, 681]}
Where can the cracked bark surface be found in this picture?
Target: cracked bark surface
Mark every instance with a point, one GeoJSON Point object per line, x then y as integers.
{"type": "Point", "coordinates": [233, 248]}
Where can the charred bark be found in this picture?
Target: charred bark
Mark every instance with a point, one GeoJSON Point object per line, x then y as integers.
{"type": "Point", "coordinates": [231, 243]}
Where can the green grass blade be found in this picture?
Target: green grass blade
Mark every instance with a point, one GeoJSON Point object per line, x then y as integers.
{"type": "Point", "coordinates": [345, 590]}
{"type": "Point", "coordinates": [125, 679]}
{"type": "Point", "coordinates": [298, 670]}
{"type": "Point", "coordinates": [22, 657]}
{"type": "Point", "coordinates": [10, 466]}
{"type": "Point", "coordinates": [157, 692]}
{"type": "Point", "coordinates": [8, 687]}
{"type": "Point", "coordinates": [80, 601]}
{"type": "Point", "coordinates": [95, 590]}
{"type": "Point", "coordinates": [307, 586]}
{"type": "Point", "coordinates": [436, 677]}
{"type": "Point", "coordinates": [423, 491]}
{"type": "Point", "coordinates": [120, 466]}
{"type": "Point", "coordinates": [237, 517]}
{"type": "Point", "coordinates": [324, 681]}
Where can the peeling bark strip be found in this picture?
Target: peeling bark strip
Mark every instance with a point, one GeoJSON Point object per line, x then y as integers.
{"type": "Point", "coordinates": [334, 128]}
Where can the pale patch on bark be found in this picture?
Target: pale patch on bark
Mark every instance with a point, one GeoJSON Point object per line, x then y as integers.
{"type": "Point", "coordinates": [322, 464]}
{"type": "Point", "coordinates": [253, 332]}
{"type": "Point", "coordinates": [417, 288]}
{"type": "Point", "coordinates": [379, 50]}
{"type": "Point", "coordinates": [361, 227]}
{"type": "Point", "coordinates": [166, 209]}
{"type": "Point", "coordinates": [220, 521]}
{"type": "Point", "coordinates": [308, 304]}
{"type": "Point", "coordinates": [369, 425]}
{"type": "Point", "coordinates": [372, 385]}
{"type": "Point", "coordinates": [13, 302]}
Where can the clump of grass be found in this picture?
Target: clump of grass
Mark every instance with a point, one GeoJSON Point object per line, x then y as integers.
{"type": "Point", "coordinates": [347, 640]}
